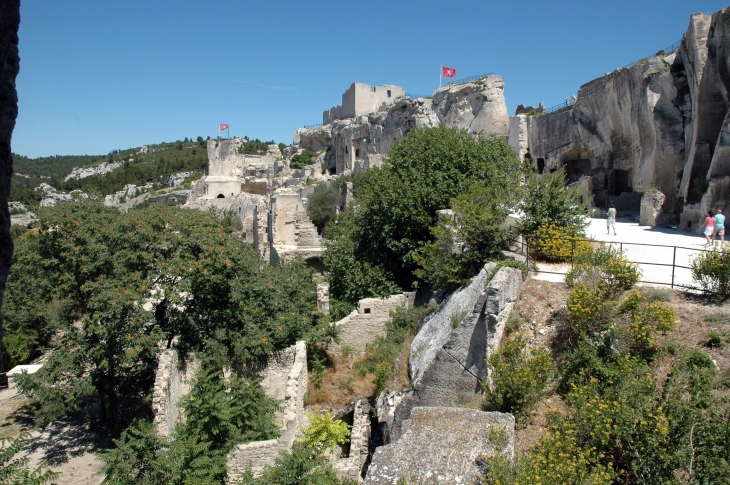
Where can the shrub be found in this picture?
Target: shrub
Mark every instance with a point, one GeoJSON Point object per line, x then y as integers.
{"type": "Point", "coordinates": [604, 269]}
{"type": "Point", "coordinates": [552, 242]}
{"type": "Point", "coordinates": [588, 312]}
{"type": "Point", "coordinates": [647, 318]}
{"type": "Point", "coordinates": [15, 471]}
{"type": "Point", "coordinates": [718, 317]}
{"type": "Point", "coordinates": [711, 271]}
{"type": "Point", "coordinates": [519, 377]}
{"type": "Point", "coordinates": [324, 433]}
{"type": "Point", "coordinates": [659, 295]}
{"type": "Point", "coordinates": [714, 340]}
{"type": "Point", "coordinates": [514, 321]}
{"type": "Point", "coordinates": [322, 205]}
{"type": "Point", "coordinates": [302, 159]}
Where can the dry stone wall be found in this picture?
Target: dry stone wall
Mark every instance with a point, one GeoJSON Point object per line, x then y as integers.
{"type": "Point", "coordinates": [365, 323]}
{"type": "Point", "coordinates": [172, 383]}
{"type": "Point", "coordinates": [261, 453]}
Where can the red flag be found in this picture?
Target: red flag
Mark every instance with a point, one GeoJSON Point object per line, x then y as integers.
{"type": "Point", "coordinates": [223, 126]}
{"type": "Point", "coordinates": [448, 72]}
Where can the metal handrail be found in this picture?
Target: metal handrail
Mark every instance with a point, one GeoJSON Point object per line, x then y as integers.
{"type": "Point", "coordinates": [471, 78]}
{"type": "Point", "coordinates": [414, 96]}
{"type": "Point", "coordinates": [560, 106]}
{"type": "Point", "coordinates": [525, 249]}
{"type": "Point", "coordinates": [309, 127]}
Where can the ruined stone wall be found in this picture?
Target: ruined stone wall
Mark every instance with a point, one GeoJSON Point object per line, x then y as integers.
{"type": "Point", "coordinates": [448, 355]}
{"type": "Point", "coordinates": [172, 383]}
{"type": "Point", "coordinates": [353, 465]}
{"type": "Point", "coordinates": [293, 417]}
{"type": "Point", "coordinates": [365, 323]}
{"type": "Point", "coordinates": [292, 233]}
{"type": "Point", "coordinates": [361, 99]}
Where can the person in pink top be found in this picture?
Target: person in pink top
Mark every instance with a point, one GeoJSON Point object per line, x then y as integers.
{"type": "Point", "coordinates": [709, 225]}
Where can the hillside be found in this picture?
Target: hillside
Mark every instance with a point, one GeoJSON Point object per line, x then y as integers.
{"type": "Point", "coordinates": [139, 166]}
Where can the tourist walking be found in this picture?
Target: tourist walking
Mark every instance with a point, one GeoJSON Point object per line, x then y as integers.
{"type": "Point", "coordinates": [709, 225]}
{"type": "Point", "coordinates": [719, 227]}
{"type": "Point", "coordinates": [611, 220]}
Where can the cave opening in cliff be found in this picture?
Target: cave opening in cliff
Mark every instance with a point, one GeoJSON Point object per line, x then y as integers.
{"type": "Point", "coordinates": [621, 182]}
{"type": "Point", "coordinates": [575, 169]}
{"type": "Point", "coordinates": [315, 263]}
{"type": "Point", "coordinates": [221, 196]}
{"type": "Point", "coordinates": [698, 175]}
{"type": "Point", "coordinates": [540, 165]}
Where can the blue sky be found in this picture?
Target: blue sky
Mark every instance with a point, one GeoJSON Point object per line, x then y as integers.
{"type": "Point", "coordinates": [99, 75]}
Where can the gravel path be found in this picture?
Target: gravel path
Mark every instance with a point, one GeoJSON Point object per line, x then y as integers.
{"type": "Point", "coordinates": [635, 241]}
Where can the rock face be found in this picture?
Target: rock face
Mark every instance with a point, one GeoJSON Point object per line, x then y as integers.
{"type": "Point", "coordinates": [662, 124]}
{"type": "Point", "coordinates": [478, 107]}
{"type": "Point", "coordinates": [448, 355]}
{"type": "Point", "coordinates": [50, 197]}
{"type": "Point", "coordinates": [355, 141]}
{"type": "Point", "coordinates": [9, 66]}
{"type": "Point", "coordinates": [441, 445]}
{"type": "Point", "coordinates": [101, 169]}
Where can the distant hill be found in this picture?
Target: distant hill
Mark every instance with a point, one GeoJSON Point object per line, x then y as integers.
{"type": "Point", "coordinates": [139, 167]}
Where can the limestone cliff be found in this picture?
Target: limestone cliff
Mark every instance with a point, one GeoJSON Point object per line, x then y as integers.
{"type": "Point", "coordinates": [360, 143]}
{"type": "Point", "coordinates": [660, 125]}
{"type": "Point", "coordinates": [9, 66]}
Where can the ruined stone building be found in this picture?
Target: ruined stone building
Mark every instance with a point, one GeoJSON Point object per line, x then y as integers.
{"type": "Point", "coordinates": [653, 137]}
{"type": "Point", "coordinates": [355, 140]}
{"type": "Point", "coordinates": [361, 99]}
{"type": "Point", "coordinates": [265, 196]}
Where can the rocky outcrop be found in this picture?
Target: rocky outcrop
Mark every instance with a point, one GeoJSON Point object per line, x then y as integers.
{"type": "Point", "coordinates": [448, 355]}
{"type": "Point", "coordinates": [130, 191]}
{"type": "Point", "coordinates": [478, 107]}
{"type": "Point", "coordinates": [662, 124]}
{"type": "Point", "coordinates": [442, 445]}
{"type": "Point", "coordinates": [176, 179]}
{"type": "Point", "coordinates": [9, 66]}
{"type": "Point", "coordinates": [313, 139]}
{"type": "Point", "coordinates": [101, 169]}
{"type": "Point", "coordinates": [51, 197]}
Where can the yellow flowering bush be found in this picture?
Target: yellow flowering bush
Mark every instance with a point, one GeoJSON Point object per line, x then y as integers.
{"type": "Point", "coordinates": [647, 318]}
{"type": "Point", "coordinates": [555, 243]}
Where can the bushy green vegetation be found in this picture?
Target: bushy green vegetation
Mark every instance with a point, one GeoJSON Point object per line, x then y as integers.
{"type": "Point", "coordinates": [138, 168]}
{"type": "Point", "coordinates": [322, 205]}
{"type": "Point", "coordinates": [99, 301]}
{"type": "Point", "coordinates": [374, 249]}
{"type": "Point", "coordinates": [627, 419]}
{"type": "Point", "coordinates": [302, 159]}
{"type": "Point", "coordinates": [711, 272]}
{"type": "Point", "coordinates": [14, 469]}
{"type": "Point", "coordinates": [256, 147]}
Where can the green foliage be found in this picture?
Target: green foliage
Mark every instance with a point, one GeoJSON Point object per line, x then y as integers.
{"type": "Point", "coordinates": [324, 433]}
{"type": "Point", "coordinates": [397, 206]}
{"type": "Point", "coordinates": [255, 147]}
{"type": "Point", "coordinates": [711, 271]}
{"type": "Point", "coordinates": [656, 294]}
{"type": "Point", "coordinates": [15, 471]}
{"type": "Point", "coordinates": [715, 339]}
{"type": "Point", "coordinates": [322, 205]}
{"type": "Point", "coordinates": [224, 413]}
{"type": "Point", "coordinates": [717, 317]}
{"type": "Point", "coordinates": [300, 466]}
{"type": "Point", "coordinates": [514, 322]}
{"type": "Point", "coordinates": [507, 263]}
{"type": "Point", "coordinates": [383, 351]}
{"type": "Point", "coordinates": [141, 457]}
{"type": "Point", "coordinates": [551, 242]}
{"type": "Point", "coordinates": [605, 269]}
{"type": "Point", "coordinates": [302, 159]}
{"type": "Point", "coordinates": [460, 245]}
{"type": "Point", "coordinates": [201, 285]}
{"type": "Point", "coordinates": [700, 186]}
{"type": "Point", "coordinates": [519, 377]}
{"type": "Point", "coordinates": [547, 200]}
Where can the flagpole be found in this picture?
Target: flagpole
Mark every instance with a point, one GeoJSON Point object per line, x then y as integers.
{"type": "Point", "coordinates": [441, 71]}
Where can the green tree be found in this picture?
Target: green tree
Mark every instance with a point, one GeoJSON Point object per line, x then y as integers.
{"type": "Point", "coordinates": [398, 203]}
{"type": "Point", "coordinates": [302, 159]}
{"type": "Point", "coordinates": [547, 200]}
{"type": "Point", "coordinates": [322, 205]}
{"type": "Point", "coordinates": [15, 471]}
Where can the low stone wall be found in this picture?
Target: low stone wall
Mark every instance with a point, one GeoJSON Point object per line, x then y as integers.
{"type": "Point", "coordinates": [352, 466]}
{"type": "Point", "coordinates": [172, 383]}
{"type": "Point", "coordinates": [448, 355]}
{"type": "Point", "coordinates": [258, 454]}
{"type": "Point", "coordinates": [364, 324]}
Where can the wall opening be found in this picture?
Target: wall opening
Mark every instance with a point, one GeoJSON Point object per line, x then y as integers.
{"type": "Point", "coordinates": [621, 182]}
{"type": "Point", "coordinates": [540, 165]}
{"type": "Point", "coordinates": [221, 196]}
{"type": "Point", "coordinates": [316, 264]}
{"type": "Point", "coordinates": [698, 178]}
{"type": "Point", "coordinates": [389, 93]}
{"type": "Point", "coordinates": [575, 169]}
{"type": "Point", "coordinates": [366, 310]}
{"type": "Point", "coordinates": [357, 152]}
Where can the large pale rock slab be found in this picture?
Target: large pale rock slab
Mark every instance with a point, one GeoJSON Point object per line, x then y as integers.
{"type": "Point", "coordinates": [441, 445]}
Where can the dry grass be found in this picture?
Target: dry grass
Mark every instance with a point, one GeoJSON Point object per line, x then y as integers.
{"type": "Point", "coordinates": [342, 383]}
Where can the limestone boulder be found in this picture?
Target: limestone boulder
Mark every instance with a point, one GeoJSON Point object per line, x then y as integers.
{"type": "Point", "coordinates": [313, 139]}
{"type": "Point", "coordinates": [478, 107]}
{"type": "Point", "coordinates": [441, 445]}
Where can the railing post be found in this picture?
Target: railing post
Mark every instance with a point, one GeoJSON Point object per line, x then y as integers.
{"type": "Point", "coordinates": [572, 252]}
{"type": "Point", "coordinates": [674, 262]}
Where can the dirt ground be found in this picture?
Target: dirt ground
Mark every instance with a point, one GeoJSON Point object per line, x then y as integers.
{"type": "Point", "coordinates": [66, 447]}
{"type": "Point", "coordinates": [541, 305]}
